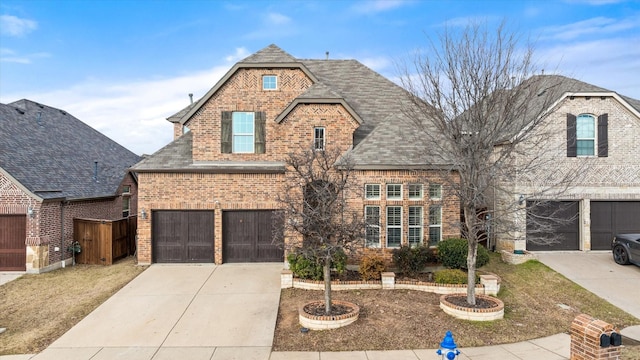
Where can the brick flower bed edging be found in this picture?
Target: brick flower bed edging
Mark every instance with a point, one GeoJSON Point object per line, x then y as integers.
{"type": "Point", "coordinates": [489, 284]}
{"type": "Point", "coordinates": [327, 322]}
{"type": "Point", "coordinates": [473, 314]}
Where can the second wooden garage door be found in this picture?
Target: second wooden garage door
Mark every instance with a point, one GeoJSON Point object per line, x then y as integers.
{"type": "Point", "coordinates": [13, 251]}
{"type": "Point", "coordinates": [247, 236]}
{"type": "Point", "coordinates": [609, 218]}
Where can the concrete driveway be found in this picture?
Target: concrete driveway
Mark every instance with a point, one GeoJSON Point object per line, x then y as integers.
{"type": "Point", "coordinates": [181, 312]}
{"type": "Point", "coordinates": [597, 272]}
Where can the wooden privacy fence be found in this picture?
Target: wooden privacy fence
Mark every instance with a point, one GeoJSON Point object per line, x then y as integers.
{"type": "Point", "coordinates": [104, 241]}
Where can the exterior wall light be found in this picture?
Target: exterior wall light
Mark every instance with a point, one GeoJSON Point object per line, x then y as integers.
{"type": "Point", "coordinates": [143, 214]}
{"type": "Point", "coordinates": [30, 211]}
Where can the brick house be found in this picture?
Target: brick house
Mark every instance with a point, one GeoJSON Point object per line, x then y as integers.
{"type": "Point", "coordinates": [210, 195]}
{"type": "Point", "coordinates": [594, 136]}
{"type": "Point", "coordinates": [54, 168]}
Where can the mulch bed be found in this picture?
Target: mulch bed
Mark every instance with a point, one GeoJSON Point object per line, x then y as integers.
{"type": "Point", "coordinates": [462, 301]}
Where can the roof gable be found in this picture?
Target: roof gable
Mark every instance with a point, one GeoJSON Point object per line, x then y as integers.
{"type": "Point", "coordinates": [54, 155]}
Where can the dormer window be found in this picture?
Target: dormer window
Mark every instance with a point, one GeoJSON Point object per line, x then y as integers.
{"type": "Point", "coordinates": [243, 132]}
{"type": "Point", "coordinates": [269, 82]}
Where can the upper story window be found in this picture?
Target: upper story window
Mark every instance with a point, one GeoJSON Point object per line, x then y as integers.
{"type": "Point", "coordinates": [372, 191]}
{"type": "Point", "coordinates": [126, 189]}
{"type": "Point", "coordinates": [242, 132]}
{"type": "Point", "coordinates": [318, 138]}
{"type": "Point", "coordinates": [586, 137]}
{"type": "Point", "coordinates": [126, 206]}
{"type": "Point", "coordinates": [415, 191]}
{"type": "Point", "coordinates": [269, 82]}
{"type": "Point", "coordinates": [394, 192]}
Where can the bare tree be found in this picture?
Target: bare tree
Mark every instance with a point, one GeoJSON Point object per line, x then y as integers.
{"type": "Point", "coordinates": [318, 222]}
{"type": "Point", "coordinates": [476, 106]}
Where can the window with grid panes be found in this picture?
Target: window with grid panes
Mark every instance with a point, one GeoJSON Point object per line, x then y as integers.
{"type": "Point", "coordinates": [415, 225]}
{"type": "Point", "coordinates": [394, 226]}
{"type": "Point", "coordinates": [435, 224]}
{"type": "Point", "coordinates": [372, 191]}
{"type": "Point", "coordinates": [394, 192]}
{"type": "Point", "coordinates": [435, 191]}
{"type": "Point", "coordinates": [372, 231]}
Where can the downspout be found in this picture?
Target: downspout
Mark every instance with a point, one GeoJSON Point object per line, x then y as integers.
{"type": "Point", "coordinates": [62, 248]}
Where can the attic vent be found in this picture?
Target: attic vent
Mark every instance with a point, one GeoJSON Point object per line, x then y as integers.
{"type": "Point", "coordinates": [40, 106]}
{"type": "Point", "coordinates": [63, 112]}
{"type": "Point", "coordinates": [542, 92]}
{"type": "Point", "coordinates": [39, 118]}
{"type": "Point", "coordinates": [20, 111]}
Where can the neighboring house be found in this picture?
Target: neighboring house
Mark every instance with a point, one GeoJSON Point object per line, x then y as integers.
{"type": "Point", "coordinates": [594, 139]}
{"type": "Point", "coordinates": [210, 195]}
{"type": "Point", "coordinates": [54, 168]}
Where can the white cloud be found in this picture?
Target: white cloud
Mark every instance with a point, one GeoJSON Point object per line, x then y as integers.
{"type": "Point", "coordinates": [10, 56]}
{"type": "Point", "coordinates": [278, 19]}
{"type": "Point", "coordinates": [14, 26]}
{"type": "Point", "coordinates": [240, 54]}
{"type": "Point", "coordinates": [465, 21]}
{"type": "Point", "coordinates": [371, 7]}
{"type": "Point", "coordinates": [608, 63]}
{"type": "Point", "coordinates": [378, 63]}
{"type": "Point", "coordinates": [594, 26]}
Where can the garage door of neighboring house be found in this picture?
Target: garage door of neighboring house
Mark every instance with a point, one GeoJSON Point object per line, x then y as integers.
{"type": "Point", "coordinates": [612, 217]}
{"type": "Point", "coordinates": [13, 251]}
{"type": "Point", "coordinates": [183, 236]}
{"type": "Point", "coordinates": [247, 236]}
{"type": "Point", "coordinates": [562, 236]}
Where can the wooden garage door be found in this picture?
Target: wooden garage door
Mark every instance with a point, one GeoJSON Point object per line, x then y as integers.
{"type": "Point", "coordinates": [612, 217]}
{"type": "Point", "coordinates": [565, 236]}
{"type": "Point", "coordinates": [13, 251]}
{"type": "Point", "coordinates": [247, 236]}
{"type": "Point", "coordinates": [183, 236]}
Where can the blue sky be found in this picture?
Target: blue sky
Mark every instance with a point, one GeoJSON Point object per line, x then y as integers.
{"type": "Point", "coordinates": [123, 66]}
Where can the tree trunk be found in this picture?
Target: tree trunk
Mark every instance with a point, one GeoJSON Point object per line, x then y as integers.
{"type": "Point", "coordinates": [471, 270]}
{"type": "Point", "coordinates": [327, 285]}
{"type": "Point", "coordinates": [471, 218]}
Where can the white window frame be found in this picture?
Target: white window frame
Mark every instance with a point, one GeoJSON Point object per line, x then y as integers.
{"type": "Point", "coordinates": [126, 211]}
{"type": "Point", "coordinates": [432, 190]}
{"type": "Point", "coordinates": [266, 82]}
{"type": "Point", "coordinates": [397, 227]}
{"type": "Point", "coordinates": [235, 134]}
{"type": "Point", "coordinates": [126, 189]}
{"type": "Point", "coordinates": [435, 224]}
{"type": "Point", "coordinates": [420, 190]}
{"type": "Point", "coordinates": [372, 187]}
{"type": "Point", "coordinates": [593, 139]}
{"type": "Point", "coordinates": [319, 138]}
{"type": "Point", "coordinates": [394, 197]}
{"type": "Point", "coordinates": [415, 224]}
{"type": "Point", "coordinates": [372, 225]}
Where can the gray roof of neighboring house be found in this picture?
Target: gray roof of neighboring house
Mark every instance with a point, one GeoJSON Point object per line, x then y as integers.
{"type": "Point", "coordinates": [52, 154]}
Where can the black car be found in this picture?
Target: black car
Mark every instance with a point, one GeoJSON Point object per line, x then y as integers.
{"type": "Point", "coordinates": [626, 249]}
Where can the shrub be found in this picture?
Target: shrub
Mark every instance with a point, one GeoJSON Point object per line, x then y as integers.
{"type": "Point", "coordinates": [451, 276]}
{"type": "Point", "coordinates": [371, 267]}
{"type": "Point", "coordinates": [411, 260]}
{"type": "Point", "coordinates": [307, 266]}
{"type": "Point", "coordinates": [452, 253]}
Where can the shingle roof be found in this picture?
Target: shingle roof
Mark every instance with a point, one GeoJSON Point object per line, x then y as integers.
{"type": "Point", "coordinates": [270, 54]}
{"type": "Point", "coordinates": [381, 139]}
{"type": "Point", "coordinates": [52, 153]}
